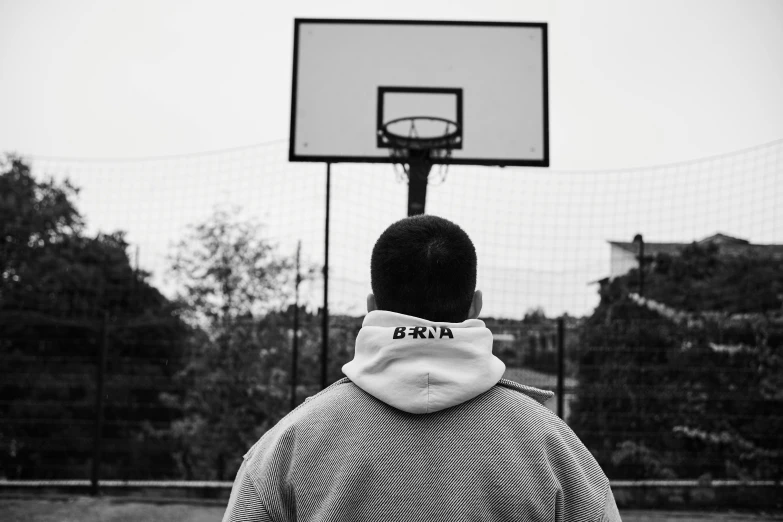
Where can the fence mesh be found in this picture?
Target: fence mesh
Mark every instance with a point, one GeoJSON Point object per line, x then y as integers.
{"type": "Point", "coordinates": [543, 243]}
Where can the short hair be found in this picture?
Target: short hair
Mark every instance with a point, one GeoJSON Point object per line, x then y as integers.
{"type": "Point", "coordinates": [424, 266]}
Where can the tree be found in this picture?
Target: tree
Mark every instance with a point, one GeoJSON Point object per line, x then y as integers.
{"type": "Point", "coordinates": [688, 382]}
{"type": "Point", "coordinates": [234, 286]}
{"type": "Point", "coordinates": [624, 394]}
{"type": "Point", "coordinates": [33, 217]}
{"type": "Point", "coordinates": [59, 290]}
{"type": "Point", "coordinates": [228, 271]}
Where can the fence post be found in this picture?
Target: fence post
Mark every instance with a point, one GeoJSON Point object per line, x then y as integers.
{"type": "Point", "coordinates": [295, 340]}
{"type": "Point", "coordinates": [100, 372]}
{"type": "Point", "coordinates": [560, 366]}
{"type": "Point", "coordinates": [325, 317]}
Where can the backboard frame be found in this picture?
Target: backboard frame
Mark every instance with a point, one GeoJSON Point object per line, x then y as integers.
{"type": "Point", "coordinates": [502, 162]}
{"type": "Point", "coordinates": [385, 89]}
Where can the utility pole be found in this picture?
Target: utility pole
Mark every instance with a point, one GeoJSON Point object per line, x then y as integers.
{"type": "Point", "coordinates": [638, 239]}
{"type": "Point", "coordinates": [295, 340]}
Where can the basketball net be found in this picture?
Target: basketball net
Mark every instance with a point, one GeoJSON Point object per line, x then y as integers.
{"type": "Point", "coordinates": [402, 164]}
{"type": "Point", "coordinates": [421, 152]}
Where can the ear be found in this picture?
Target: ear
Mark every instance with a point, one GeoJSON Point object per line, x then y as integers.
{"type": "Point", "coordinates": [371, 306]}
{"type": "Point", "coordinates": [475, 306]}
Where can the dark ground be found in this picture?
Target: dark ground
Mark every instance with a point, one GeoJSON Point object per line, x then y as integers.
{"type": "Point", "coordinates": [88, 509]}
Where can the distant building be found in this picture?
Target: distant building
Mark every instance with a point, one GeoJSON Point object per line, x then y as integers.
{"type": "Point", "coordinates": [624, 256]}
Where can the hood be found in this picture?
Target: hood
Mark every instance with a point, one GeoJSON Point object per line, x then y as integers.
{"type": "Point", "coordinates": [420, 366]}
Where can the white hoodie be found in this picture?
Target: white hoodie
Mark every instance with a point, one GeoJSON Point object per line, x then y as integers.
{"type": "Point", "coordinates": [420, 366]}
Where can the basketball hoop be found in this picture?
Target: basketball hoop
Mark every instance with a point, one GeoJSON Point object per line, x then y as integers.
{"type": "Point", "coordinates": [421, 146]}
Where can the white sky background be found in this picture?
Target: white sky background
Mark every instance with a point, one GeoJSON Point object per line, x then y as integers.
{"type": "Point", "coordinates": [632, 84]}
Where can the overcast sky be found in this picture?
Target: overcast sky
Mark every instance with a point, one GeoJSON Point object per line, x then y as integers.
{"type": "Point", "coordinates": [632, 83]}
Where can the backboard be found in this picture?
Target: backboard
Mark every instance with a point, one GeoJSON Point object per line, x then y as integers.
{"type": "Point", "coordinates": [352, 77]}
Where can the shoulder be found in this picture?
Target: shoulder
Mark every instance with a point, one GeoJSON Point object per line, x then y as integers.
{"type": "Point", "coordinates": [508, 411]}
{"type": "Point", "coordinates": [326, 396]}
{"type": "Point", "coordinates": [312, 410]}
{"type": "Point", "coordinates": [582, 483]}
{"type": "Point", "coordinates": [524, 407]}
{"type": "Point", "coordinates": [537, 394]}
{"type": "Point", "coordinates": [344, 397]}
{"type": "Point", "coordinates": [521, 404]}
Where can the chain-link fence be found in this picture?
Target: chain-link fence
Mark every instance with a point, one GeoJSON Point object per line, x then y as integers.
{"type": "Point", "coordinates": [109, 354]}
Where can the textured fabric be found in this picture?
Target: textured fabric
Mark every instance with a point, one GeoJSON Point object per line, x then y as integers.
{"type": "Point", "coordinates": [344, 455]}
{"type": "Point", "coordinates": [424, 430]}
{"type": "Point", "coordinates": [419, 366]}
{"type": "Point", "coordinates": [611, 513]}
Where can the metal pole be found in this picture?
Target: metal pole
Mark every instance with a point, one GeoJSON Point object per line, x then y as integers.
{"type": "Point", "coordinates": [638, 238]}
{"type": "Point", "coordinates": [136, 294]}
{"type": "Point", "coordinates": [418, 171]}
{"type": "Point", "coordinates": [325, 315]}
{"type": "Point", "coordinates": [100, 372]}
{"type": "Point", "coordinates": [295, 347]}
{"type": "Point", "coordinates": [560, 366]}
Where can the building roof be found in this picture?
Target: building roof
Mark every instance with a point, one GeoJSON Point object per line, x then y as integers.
{"type": "Point", "coordinates": [728, 245]}
{"type": "Point", "coordinates": [650, 248]}
{"type": "Point", "coordinates": [723, 239]}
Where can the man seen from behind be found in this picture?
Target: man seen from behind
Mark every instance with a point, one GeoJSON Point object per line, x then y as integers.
{"type": "Point", "coordinates": [423, 427]}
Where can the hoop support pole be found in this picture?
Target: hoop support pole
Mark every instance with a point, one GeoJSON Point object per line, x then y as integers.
{"type": "Point", "coordinates": [418, 171]}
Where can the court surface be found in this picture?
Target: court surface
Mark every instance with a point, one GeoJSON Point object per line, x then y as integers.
{"type": "Point", "coordinates": [87, 509]}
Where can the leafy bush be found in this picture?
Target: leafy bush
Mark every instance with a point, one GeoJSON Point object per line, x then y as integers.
{"type": "Point", "coordinates": [687, 381]}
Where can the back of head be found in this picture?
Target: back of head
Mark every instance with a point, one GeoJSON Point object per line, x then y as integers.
{"type": "Point", "coordinates": [424, 266]}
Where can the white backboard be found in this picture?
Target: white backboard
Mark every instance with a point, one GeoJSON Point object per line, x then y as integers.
{"type": "Point", "coordinates": [342, 67]}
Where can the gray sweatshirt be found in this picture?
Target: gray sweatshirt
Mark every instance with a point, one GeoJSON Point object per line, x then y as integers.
{"type": "Point", "coordinates": [422, 429]}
